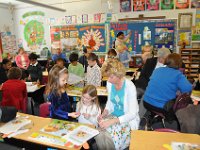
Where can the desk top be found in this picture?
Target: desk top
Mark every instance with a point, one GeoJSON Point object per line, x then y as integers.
{"type": "Point", "coordinates": [38, 124]}
{"type": "Point", "coordinates": [77, 91]}
{"type": "Point", "coordinates": [131, 69]}
{"type": "Point", "coordinates": [152, 140]}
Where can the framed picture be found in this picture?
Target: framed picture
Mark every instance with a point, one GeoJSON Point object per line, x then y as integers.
{"type": "Point", "coordinates": [185, 21]}
{"type": "Point", "coordinates": [125, 5]}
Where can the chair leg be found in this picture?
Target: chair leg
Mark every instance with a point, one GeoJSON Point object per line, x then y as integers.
{"type": "Point", "coordinates": [163, 122]}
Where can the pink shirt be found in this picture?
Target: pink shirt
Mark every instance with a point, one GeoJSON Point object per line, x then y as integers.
{"type": "Point", "coordinates": [25, 63]}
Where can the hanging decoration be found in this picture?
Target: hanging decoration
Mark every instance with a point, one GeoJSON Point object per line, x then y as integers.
{"type": "Point", "coordinates": [138, 5]}
{"type": "Point", "coordinates": [125, 5]}
{"type": "Point", "coordinates": [152, 4]}
{"type": "Point", "coordinates": [182, 4]}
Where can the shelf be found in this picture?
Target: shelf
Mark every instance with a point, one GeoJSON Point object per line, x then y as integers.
{"type": "Point", "coordinates": [191, 58]}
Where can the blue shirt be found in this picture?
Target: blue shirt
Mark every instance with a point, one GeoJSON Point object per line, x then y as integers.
{"type": "Point", "coordinates": [117, 98]}
{"type": "Point", "coordinates": [60, 106]}
{"type": "Point", "coordinates": [163, 86]}
{"type": "Point", "coordinates": [56, 56]}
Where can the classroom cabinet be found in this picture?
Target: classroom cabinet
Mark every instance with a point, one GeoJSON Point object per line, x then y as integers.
{"type": "Point", "coordinates": [191, 58]}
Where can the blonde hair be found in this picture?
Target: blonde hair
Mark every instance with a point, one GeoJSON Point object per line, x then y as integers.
{"type": "Point", "coordinates": [113, 67]}
{"type": "Point", "coordinates": [53, 84]}
{"type": "Point", "coordinates": [147, 47]}
{"type": "Point", "coordinates": [92, 92]}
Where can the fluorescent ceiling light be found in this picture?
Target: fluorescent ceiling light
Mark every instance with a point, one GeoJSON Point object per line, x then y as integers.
{"type": "Point", "coordinates": [42, 5]}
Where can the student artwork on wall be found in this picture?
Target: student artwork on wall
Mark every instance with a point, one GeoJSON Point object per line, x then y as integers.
{"type": "Point", "coordinates": [184, 37]}
{"type": "Point", "coordinates": [85, 18]}
{"type": "Point", "coordinates": [125, 5]}
{"type": "Point", "coordinates": [182, 4]}
{"type": "Point", "coordinates": [195, 4]}
{"type": "Point", "coordinates": [167, 4]}
{"type": "Point", "coordinates": [97, 18]}
{"type": "Point", "coordinates": [152, 4]}
{"type": "Point", "coordinates": [68, 19]}
{"type": "Point", "coordinates": [138, 5]}
{"type": "Point", "coordinates": [74, 37]}
{"type": "Point", "coordinates": [196, 33]}
{"type": "Point", "coordinates": [33, 30]}
{"type": "Point", "coordinates": [160, 33]}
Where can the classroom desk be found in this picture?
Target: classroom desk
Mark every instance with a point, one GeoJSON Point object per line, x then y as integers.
{"type": "Point", "coordinates": [131, 69]}
{"type": "Point", "coordinates": [152, 140]}
{"type": "Point", "coordinates": [38, 124]}
{"type": "Point", "coordinates": [77, 91]}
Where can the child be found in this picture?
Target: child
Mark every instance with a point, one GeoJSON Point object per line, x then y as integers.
{"type": "Point", "coordinates": [83, 59]}
{"type": "Point", "coordinates": [14, 90]}
{"type": "Point", "coordinates": [4, 67]}
{"type": "Point", "coordinates": [34, 69]}
{"type": "Point", "coordinates": [75, 67]}
{"type": "Point", "coordinates": [93, 71]}
{"type": "Point", "coordinates": [59, 108]}
{"type": "Point", "coordinates": [60, 62]}
{"type": "Point", "coordinates": [112, 54]}
{"type": "Point", "coordinates": [88, 107]}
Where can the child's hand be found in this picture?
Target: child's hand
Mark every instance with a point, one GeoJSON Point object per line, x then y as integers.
{"type": "Point", "coordinates": [99, 118]}
{"type": "Point", "coordinates": [74, 114]}
{"type": "Point", "coordinates": [86, 116]}
{"type": "Point", "coordinates": [29, 77]}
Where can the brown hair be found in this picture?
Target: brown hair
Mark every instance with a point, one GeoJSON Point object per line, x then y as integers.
{"type": "Point", "coordinates": [112, 53]}
{"type": "Point", "coordinates": [113, 67]}
{"type": "Point", "coordinates": [14, 73]}
{"type": "Point", "coordinates": [92, 57]}
{"type": "Point", "coordinates": [91, 91]}
{"type": "Point", "coordinates": [53, 79]}
{"type": "Point", "coordinates": [173, 61]}
{"type": "Point", "coordinates": [20, 49]}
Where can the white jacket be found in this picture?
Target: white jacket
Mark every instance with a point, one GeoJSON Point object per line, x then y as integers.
{"type": "Point", "coordinates": [131, 108]}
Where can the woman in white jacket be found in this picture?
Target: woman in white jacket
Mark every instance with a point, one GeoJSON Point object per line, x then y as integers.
{"type": "Point", "coordinates": [121, 113]}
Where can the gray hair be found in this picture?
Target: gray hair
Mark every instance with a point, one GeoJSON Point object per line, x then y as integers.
{"type": "Point", "coordinates": [163, 52]}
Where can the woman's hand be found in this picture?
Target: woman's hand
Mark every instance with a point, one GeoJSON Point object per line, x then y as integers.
{"type": "Point", "coordinates": [74, 114]}
{"type": "Point", "coordinates": [104, 114]}
{"type": "Point", "coordinates": [107, 123]}
{"type": "Point", "coordinates": [86, 116]}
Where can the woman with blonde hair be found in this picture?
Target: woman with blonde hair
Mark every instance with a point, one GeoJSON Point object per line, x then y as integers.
{"type": "Point", "coordinates": [120, 115]}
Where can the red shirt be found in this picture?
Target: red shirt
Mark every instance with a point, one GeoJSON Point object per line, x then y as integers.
{"type": "Point", "coordinates": [14, 93]}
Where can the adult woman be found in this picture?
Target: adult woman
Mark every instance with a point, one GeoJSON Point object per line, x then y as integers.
{"type": "Point", "coordinates": [164, 84]}
{"type": "Point", "coordinates": [22, 60]}
{"type": "Point", "coordinates": [121, 112]}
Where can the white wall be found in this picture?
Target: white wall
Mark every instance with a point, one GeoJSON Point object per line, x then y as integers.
{"type": "Point", "coordinates": [6, 19]}
{"type": "Point", "coordinates": [87, 7]}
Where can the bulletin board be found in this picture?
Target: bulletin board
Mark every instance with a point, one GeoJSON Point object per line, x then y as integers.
{"type": "Point", "coordinates": [158, 33]}
{"type": "Point", "coordinates": [74, 37]}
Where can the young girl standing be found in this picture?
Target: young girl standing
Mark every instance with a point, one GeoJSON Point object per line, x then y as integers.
{"type": "Point", "coordinates": [59, 108]}
{"type": "Point", "coordinates": [88, 107]}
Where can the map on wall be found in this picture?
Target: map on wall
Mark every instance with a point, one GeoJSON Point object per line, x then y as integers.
{"type": "Point", "coordinates": [74, 37]}
{"type": "Point", "coordinates": [157, 33]}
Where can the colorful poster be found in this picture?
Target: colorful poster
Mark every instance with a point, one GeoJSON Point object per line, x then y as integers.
{"type": "Point", "coordinates": [85, 18]}
{"type": "Point", "coordinates": [167, 4]}
{"type": "Point", "coordinates": [125, 5]}
{"type": "Point", "coordinates": [138, 5]}
{"type": "Point", "coordinates": [195, 4]}
{"type": "Point", "coordinates": [74, 37]}
{"type": "Point", "coordinates": [184, 37]}
{"type": "Point", "coordinates": [196, 33]}
{"type": "Point", "coordinates": [34, 34]}
{"type": "Point", "coordinates": [182, 4]}
{"type": "Point", "coordinates": [152, 4]}
{"type": "Point", "coordinates": [34, 30]}
{"type": "Point", "coordinates": [97, 18]}
{"type": "Point", "coordinates": [159, 33]}
{"type": "Point", "coordinates": [8, 43]}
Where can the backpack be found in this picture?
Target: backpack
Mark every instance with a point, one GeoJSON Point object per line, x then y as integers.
{"type": "Point", "coordinates": [182, 101]}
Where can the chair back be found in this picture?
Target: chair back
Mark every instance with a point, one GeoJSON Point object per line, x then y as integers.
{"type": "Point", "coordinates": [166, 130]}
{"type": "Point", "coordinates": [44, 109]}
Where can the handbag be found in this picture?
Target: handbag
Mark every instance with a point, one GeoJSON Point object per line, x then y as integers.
{"type": "Point", "coordinates": [182, 101]}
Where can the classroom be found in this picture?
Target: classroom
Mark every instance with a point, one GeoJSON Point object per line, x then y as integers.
{"type": "Point", "coordinates": [100, 74]}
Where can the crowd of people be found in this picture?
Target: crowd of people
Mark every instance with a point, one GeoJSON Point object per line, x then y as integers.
{"type": "Point", "coordinates": [158, 83]}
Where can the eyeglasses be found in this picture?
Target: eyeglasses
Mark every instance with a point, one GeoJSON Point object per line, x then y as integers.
{"type": "Point", "coordinates": [88, 99]}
